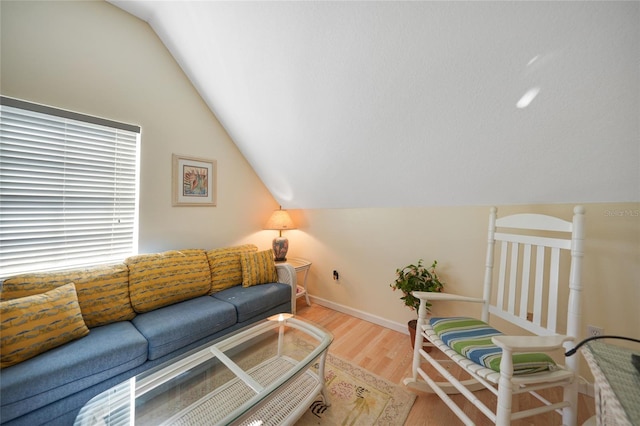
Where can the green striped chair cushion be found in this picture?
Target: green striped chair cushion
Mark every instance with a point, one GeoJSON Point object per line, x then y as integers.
{"type": "Point", "coordinates": [471, 338]}
{"type": "Point", "coordinates": [103, 291]}
{"type": "Point", "coordinates": [34, 324]}
{"type": "Point", "coordinates": [161, 279]}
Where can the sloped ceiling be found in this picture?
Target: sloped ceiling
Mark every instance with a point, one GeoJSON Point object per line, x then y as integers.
{"type": "Point", "coordinates": [375, 104]}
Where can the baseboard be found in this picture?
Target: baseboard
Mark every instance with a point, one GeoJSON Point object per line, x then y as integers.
{"type": "Point", "coordinates": [401, 328]}
{"type": "Point", "coordinates": [584, 386]}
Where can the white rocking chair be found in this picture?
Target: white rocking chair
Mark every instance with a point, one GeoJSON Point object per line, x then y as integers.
{"type": "Point", "coordinates": [531, 268]}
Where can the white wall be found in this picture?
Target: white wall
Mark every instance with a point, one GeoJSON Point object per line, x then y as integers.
{"type": "Point", "coordinates": [366, 246]}
{"type": "Point", "coordinates": [94, 58]}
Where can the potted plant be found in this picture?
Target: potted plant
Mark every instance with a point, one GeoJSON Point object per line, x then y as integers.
{"type": "Point", "coordinates": [416, 278]}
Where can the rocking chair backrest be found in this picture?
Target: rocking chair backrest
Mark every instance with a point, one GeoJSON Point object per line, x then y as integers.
{"type": "Point", "coordinates": [533, 273]}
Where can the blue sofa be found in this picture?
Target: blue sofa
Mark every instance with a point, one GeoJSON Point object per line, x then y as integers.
{"type": "Point", "coordinates": [139, 314]}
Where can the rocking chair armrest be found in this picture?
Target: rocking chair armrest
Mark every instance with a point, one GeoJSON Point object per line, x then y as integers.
{"type": "Point", "coordinates": [530, 343]}
{"type": "Point", "coordinates": [439, 296]}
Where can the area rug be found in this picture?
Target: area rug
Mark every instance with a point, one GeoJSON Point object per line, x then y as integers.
{"type": "Point", "coordinates": [357, 397]}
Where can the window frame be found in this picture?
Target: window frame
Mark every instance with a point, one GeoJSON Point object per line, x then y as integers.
{"type": "Point", "coordinates": [86, 171]}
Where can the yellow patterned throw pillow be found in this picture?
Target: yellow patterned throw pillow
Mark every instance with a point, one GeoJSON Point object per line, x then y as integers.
{"type": "Point", "coordinates": [161, 279]}
{"type": "Point", "coordinates": [226, 269]}
{"type": "Point", "coordinates": [34, 324]}
{"type": "Point", "coordinates": [103, 291]}
{"type": "Point", "coordinates": [258, 268]}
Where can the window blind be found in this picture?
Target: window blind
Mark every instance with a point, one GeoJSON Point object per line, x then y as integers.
{"type": "Point", "coordinates": [68, 189]}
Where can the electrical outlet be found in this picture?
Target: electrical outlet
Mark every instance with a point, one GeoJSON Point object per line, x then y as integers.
{"type": "Point", "coordinates": [593, 331]}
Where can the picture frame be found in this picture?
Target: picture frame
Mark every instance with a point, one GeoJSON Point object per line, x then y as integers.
{"type": "Point", "coordinates": [194, 181]}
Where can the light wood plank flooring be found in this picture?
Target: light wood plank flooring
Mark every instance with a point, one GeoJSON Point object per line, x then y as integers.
{"type": "Point", "coordinates": [388, 354]}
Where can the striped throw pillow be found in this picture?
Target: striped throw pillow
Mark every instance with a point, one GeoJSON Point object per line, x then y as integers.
{"type": "Point", "coordinates": [161, 279]}
{"type": "Point", "coordinates": [34, 324]}
{"type": "Point", "coordinates": [103, 291]}
{"type": "Point", "coordinates": [258, 268]}
{"type": "Point", "coordinates": [471, 338]}
{"type": "Point", "coordinates": [226, 269]}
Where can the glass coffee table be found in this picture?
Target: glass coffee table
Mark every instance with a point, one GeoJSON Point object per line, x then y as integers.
{"type": "Point", "coordinates": [265, 374]}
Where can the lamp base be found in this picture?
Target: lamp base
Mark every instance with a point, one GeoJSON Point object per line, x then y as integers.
{"type": "Point", "coordinates": [280, 248]}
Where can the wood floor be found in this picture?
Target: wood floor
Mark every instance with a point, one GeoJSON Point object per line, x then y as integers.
{"type": "Point", "coordinates": [388, 354]}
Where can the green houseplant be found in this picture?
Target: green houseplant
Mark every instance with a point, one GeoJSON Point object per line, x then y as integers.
{"type": "Point", "coordinates": [416, 278]}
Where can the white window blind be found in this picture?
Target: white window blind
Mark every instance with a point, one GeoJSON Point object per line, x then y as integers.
{"type": "Point", "coordinates": [68, 189]}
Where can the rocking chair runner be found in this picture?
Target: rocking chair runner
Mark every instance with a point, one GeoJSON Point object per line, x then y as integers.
{"type": "Point", "coordinates": [529, 281]}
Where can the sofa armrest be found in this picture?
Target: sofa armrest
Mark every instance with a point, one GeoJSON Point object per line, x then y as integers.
{"type": "Point", "coordinates": [287, 275]}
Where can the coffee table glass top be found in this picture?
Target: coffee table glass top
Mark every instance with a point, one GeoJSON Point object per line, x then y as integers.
{"type": "Point", "coordinates": [221, 382]}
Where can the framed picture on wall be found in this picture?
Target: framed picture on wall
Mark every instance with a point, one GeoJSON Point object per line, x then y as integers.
{"type": "Point", "coordinates": [193, 181]}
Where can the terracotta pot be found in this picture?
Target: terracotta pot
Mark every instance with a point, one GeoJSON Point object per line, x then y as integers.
{"type": "Point", "coordinates": [412, 325]}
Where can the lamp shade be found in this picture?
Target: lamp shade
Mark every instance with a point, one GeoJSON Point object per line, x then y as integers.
{"type": "Point", "coordinates": [279, 220]}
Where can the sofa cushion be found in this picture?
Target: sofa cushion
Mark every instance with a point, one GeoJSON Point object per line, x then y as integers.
{"type": "Point", "coordinates": [161, 279]}
{"type": "Point", "coordinates": [34, 324]}
{"type": "Point", "coordinates": [103, 291]}
{"type": "Point", "coordinates": [226, 269]}
{"type": "Point", "coordinates": [253, 301]}
{"type": "Point", "coordinates": [172, 327]}
{"type": "Point", "coordinates": [258, 268]}
{"type": "Point", "coordinates": [104, 353]}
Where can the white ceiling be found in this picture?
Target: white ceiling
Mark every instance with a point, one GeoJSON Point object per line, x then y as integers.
{"type": "Point", "coordinates": [375, 104]}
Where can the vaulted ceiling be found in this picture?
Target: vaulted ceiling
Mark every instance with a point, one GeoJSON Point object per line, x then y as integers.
{"type": "Point", "coordinates": [373, 104]}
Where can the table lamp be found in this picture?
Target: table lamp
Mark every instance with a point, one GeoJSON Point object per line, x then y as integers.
{"type": "Point", "coordinates": [278, 221]}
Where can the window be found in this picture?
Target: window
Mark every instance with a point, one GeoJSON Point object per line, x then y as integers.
{"type": "Point", "coordinates": [68, 188]}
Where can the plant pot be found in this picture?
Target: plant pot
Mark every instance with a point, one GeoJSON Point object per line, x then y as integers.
{"type": "Point", "coordinates": [412, 325]}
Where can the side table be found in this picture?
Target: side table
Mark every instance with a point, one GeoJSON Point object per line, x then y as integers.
{"type": "Point", "coordinates": [616, 384]}
{"type": "Point", "coordinates": [300, 265]}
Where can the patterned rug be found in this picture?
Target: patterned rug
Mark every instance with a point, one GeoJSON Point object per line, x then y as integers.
{"type": "Point", "coordinates": [358, 397]}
